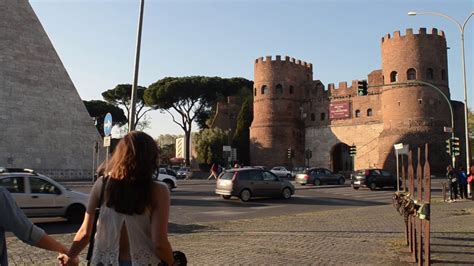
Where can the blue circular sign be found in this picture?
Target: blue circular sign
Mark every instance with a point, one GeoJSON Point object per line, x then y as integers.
{"type": "Point", "coordinates": [107, 124]}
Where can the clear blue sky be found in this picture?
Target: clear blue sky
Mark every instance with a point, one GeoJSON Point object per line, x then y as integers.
{"type": "Point", "coordinates": [96, 39]}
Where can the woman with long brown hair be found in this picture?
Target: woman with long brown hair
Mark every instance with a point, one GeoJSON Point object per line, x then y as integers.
{"type": "Point", "coordinates": [132, 227]}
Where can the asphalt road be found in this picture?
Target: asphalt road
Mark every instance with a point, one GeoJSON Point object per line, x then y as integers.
{"type": "Point", "coordinates": [194, 202]}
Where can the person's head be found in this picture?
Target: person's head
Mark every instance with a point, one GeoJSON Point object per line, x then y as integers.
{"type": "Point", "coordinates": [134, 158]}
{"type": "Point", "coordinates": [130, 173]}
{"type": "Point", "coordinates": [472, 170]}
{"type": "Point", "coordinates": [449, 168]}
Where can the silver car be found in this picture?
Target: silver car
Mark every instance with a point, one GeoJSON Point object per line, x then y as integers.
{"type": "Point", "coordinates": [40, 196]}
{"type": "Point", "coordinates": [246, 183]}
{"type": "Point", "coordinates": [318, 176]}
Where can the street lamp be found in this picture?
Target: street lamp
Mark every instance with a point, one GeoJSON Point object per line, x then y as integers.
{"type": "Point", "coordinates": [461, 29]}
{"type": "Point", "coordinates": [133, 97]}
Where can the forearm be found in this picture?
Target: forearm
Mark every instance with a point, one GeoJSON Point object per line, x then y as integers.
{"type": "Point", "coordinates": [80, 242]}
{"type": "Point", "coordinates": [49, 243]}
{"type": "Point", "coordinates": [165, 253]}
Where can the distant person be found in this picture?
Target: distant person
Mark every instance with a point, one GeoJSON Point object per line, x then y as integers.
{"type": "Point", "coordinates": [470, 181]}
{"type": "Point", "coordinates": [132, 227]}
{"type": "Point", "coordinates": [214, 170]}
{"type": "Point", "coordinates": [453, 183]}
{"type": "Point", "coordinates": [462, 180]}
{"type": "Point", "coordinates": [12, 219]}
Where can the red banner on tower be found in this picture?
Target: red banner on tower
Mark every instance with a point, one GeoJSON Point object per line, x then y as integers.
{"type": "Point", "coordinates": [339, 110]}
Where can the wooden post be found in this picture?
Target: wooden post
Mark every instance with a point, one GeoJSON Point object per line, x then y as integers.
{"type": "Point", "coordinates": [419, 194]}
{"type": "Point", "coordinates": [426, 229]}
{"type": "Point", "coordinates": [411, 190]}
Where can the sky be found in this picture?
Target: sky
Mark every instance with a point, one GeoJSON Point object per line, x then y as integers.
{"type": "Point", "coordinates": [96, 39]}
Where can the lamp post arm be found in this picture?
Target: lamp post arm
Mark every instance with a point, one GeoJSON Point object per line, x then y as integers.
{"type": "Point", "coordinates": [465, 22]}
{"type": "Point", "coordinates": [444, 16]}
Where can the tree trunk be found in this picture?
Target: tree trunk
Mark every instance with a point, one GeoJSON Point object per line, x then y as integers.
{"type": "Point", "coordinates": [187, 147]}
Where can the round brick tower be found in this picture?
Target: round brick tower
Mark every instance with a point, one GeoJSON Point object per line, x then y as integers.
{"type": "Point", "coordinates": [414, 114]}
{"type": "Point", "coordinates": [277, 98]}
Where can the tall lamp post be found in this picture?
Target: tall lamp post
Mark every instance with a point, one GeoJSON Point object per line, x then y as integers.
{"type": "Point", "coordinates": [463, 62]}
{"type": "Point", "coordinates": [133, 97]}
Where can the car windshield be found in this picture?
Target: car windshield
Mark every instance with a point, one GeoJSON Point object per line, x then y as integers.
{"type": "Point", "coordinates": [227, 176]}
{"type": "Point", "coordinates": [360, 172]}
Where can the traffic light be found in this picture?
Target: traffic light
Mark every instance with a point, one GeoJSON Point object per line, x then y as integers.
{"type": "Point", "coordinates": [455, 146]}
{"type": "Point", "coordinates": [290, 153]}
{"type": "Point", "coordinates": [353, 150]}
{"type": "Point", "coordinates": [448, 146]}
{"type": "Point", "coordinates": [362, 88]}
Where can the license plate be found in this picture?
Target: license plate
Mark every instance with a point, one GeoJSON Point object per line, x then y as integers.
{"type": "Point", "coordinates": [357, 182]}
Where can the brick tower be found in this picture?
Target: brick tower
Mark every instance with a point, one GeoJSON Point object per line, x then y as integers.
{"type": "Point", "coordinates": [277, 123]}
{"type": "Point", "coordinates": [414, 114]}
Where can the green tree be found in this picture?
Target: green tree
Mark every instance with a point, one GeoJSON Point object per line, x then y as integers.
{"type": "Point", "coordinates": [187, 98]}
{"type": "Point", "coordinates": [241, 139]}
{"type": "Point", "coordinates": [120, 97]}
{"type": "Point", "coordinates": [98, 109]}
{"type": "Point", "coordinates": [208, 144]}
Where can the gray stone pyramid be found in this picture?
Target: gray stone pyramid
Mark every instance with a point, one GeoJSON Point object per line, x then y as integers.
{"type": "Point", "coordinates": [43, 123]}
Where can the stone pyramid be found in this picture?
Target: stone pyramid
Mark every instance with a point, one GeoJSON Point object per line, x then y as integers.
{"type": "Point", "coordinates": [43, 123]}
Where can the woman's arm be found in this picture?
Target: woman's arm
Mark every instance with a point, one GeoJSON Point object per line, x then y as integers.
{"type": "Point", "coordinates": [159, 222]}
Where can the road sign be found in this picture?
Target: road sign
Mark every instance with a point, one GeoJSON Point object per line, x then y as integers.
{"type": "Point", "coordinates": [448, 129]}
{"type": "Point", "coordinates": [398, 146]}
{"type": "Point", "coordinates": [226, 148]}
{"type": "Point", "coordinates": [107, 141]}
{"type": "Point", "coordinates": [107, 124]}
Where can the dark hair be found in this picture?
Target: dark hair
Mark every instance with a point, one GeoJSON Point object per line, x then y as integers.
{"type": "Point", "coordinates": [130, 173]}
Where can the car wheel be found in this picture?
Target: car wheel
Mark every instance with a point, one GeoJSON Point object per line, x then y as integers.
{"type": "Point", "coordinates": [245, 195]}
{"type": "Point", "coordinates": [75, 213]}
{"type": "Point", "coordinates": [225, 196]}
{"type": "Point", "coordinates": [356, 188]}
{"type": "Point", "coordinates": [372, 186]}
{"type": "Point", "coordinates": [169, 184]}
{"type": "Point", "coordinates": [286, 193]}
{"type": "Point", "coordinates": [342, 180]}
{"type": "Point", "coordinates": [317, 182]}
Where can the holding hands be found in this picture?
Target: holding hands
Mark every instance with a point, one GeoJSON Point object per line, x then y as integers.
{"type": "Point", "coordinates": [64, 259]}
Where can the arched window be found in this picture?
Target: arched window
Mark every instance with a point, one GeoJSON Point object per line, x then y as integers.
{"type": "Point", "coordinates": [279, 89]}
{"type": "Point", "coordinates": [393, 76]}
{"type": "Point", "coordinates": [369, 112]}
{"type": "Point", "coordinates": [443, 74]}
{"type": "Point", "coordinates": [291, 89]}
{"type": "Point", "coordinates": [323, 116]}
{"type": "Point", "coordinates": [411, 74]}
{"type": "Point", "coordinates": [383, 79]}
{"type": "Point", "coordinates": [429, 74]}
{"type": "Point", "coordinates": [313, 117]}
{"type": "Point", "coordinates": [264, 89]}
{"type": "Point", "coordinates": [255, 92]}
{"type": "Point", "coordinates": [357, 113]}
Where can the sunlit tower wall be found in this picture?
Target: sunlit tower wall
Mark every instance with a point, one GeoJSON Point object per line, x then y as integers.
{"type": "Point", "coordinates": [414, 114]}
{"type": "Point", "coordinates": [277, 101]}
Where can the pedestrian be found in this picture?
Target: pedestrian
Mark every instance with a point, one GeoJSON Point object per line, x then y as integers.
{"type": "Point", "coordinates": [453, 184]}
{"type": "Point", "coordinates": [12, 219]}
{"type": "Point", "coordinates": [470, 181]}
{"type": "Point", "coordinates": [133, 216]}
{"type": "Point", "coordinates": [462, 180]}
{"type": "Point", "coordinates": [214, 169]}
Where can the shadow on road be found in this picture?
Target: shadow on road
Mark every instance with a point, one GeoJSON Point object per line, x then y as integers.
{"type": "Point", "coordinates": [59, 227]}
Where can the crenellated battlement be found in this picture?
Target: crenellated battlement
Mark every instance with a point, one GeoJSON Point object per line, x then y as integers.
{"type": "Point", "coordinates": [409, 33]}
{"type": "Point", "coordinates": [278, 58]}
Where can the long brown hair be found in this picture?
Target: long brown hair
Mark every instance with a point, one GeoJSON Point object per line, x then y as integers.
{"type": "Point", "coordinates": [130, 173]}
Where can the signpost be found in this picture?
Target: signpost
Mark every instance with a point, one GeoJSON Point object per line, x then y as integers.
{"type": "Point", "coordinates": [399, 150]}
{"type": "Point", "coordinates": [107, 138]}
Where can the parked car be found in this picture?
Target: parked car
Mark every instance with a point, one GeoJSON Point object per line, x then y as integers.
{"type": "Point", "coordinates": [167, 171]}
{"type": "Point", "coordinates": [169, 180]}
{"type": "Point", "coordinates": [373, 179]}
{"type": "Point", "coordinates": [40, 196]}
{"type": "Point", "coordinates": [182, 172]}
{"type": "Point", "coordinates": [298, 170]}
{"type": "Point", "coordinates": [281, 171]}
{"type": "Point", "coordinates": [246, 183]}
{"type": "Point", "coordinates": [318, 176]}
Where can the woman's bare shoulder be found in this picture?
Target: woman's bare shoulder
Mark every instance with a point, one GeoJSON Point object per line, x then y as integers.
{"type": "Point", "coordinates": [159, 190]}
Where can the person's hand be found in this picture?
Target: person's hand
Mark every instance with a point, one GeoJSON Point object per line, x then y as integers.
{"type": "Point", "coordinates": [66, 260]}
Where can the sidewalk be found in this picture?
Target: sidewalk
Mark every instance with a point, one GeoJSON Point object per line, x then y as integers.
{"type": "Point", "coordinates": [364, 236]}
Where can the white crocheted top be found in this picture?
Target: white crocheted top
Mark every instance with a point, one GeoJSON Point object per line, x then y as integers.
{"type": "Point", "coordinates": [107, 238]}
